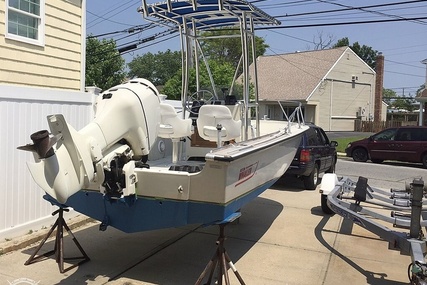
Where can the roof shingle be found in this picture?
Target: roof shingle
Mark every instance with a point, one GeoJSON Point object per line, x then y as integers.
{"type": "Point", "coordinates": [294, 76]}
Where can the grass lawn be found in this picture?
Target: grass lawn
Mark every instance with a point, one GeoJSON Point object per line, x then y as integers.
{"type": "Point", "coordinates": [343, 142]}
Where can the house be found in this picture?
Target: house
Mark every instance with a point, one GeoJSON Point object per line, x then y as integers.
{"type": "Point", "coordinates": [422, 98]}
{"type": "Point", "coordinates": [42, 43]}
{"type": "Point", "coordinates": [42, 63]}
{"type": "Point", "coordinates": [335, 87]}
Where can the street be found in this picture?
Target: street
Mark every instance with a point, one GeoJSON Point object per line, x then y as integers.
{"type": "Point", "coordinates": [282, 238]}
{"type": "Point", "coordinates": [386, 175]}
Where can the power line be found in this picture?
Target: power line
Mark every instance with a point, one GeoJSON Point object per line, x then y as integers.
{"type": "Point", "coordinates": [369, 11]}
{"type": "Point", "coordinates": [410, 65]}
{"type": "Point", "coordinates": [152, 38]}
{"type": "Point", "coordinates": [117, 12]}
{"type": "Point", "coordinates": [347, 9]}
{"type": "Point", "coordinates": [408, 74]}
{"type": "Point", "coordinates": [130, 30]}
{"type": "Point", "coordinates": [106, 11]}
{"type": "Point", "coordinates": [340, 23]}
{"type": "Point", "coordinates": [109, 20]}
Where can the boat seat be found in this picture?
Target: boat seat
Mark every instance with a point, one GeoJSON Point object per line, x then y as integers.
{"type": "Point", "coordinates": [215, 123]}
{"type": "Point", "coordinates": [171, 125]}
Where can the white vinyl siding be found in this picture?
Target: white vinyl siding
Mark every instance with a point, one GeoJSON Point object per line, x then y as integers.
{"type": "Point", "coordinates": [25, 21]}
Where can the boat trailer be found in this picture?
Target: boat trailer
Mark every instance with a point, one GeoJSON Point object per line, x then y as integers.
{"type": "Point", "coordinates": [365, 206]}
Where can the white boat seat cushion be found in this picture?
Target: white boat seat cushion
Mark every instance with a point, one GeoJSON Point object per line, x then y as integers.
{"type": "Point", "coordinates": [171, 125]}
{"type": "Point", "coordinates": [212, 115]}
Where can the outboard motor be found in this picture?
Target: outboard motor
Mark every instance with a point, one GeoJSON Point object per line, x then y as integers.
{"type": "Point", "coordinates": [105, 151]}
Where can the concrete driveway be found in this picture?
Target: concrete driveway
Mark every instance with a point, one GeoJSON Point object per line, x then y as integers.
{"type": "Point", "coordinates": [281, 238]}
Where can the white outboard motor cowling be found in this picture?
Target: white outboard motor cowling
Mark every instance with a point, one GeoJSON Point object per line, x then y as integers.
{"type": "Point", "coordinates": [124, 130]}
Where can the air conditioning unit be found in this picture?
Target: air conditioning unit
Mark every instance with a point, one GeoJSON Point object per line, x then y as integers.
{"type": "Point", "coordinates": [361, 112]}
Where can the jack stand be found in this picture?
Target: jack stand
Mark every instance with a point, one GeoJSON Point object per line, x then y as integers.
{"type": "Point", "coordinates": [221, 260]}
{"type": "Point", "coordinates": [58, 249]}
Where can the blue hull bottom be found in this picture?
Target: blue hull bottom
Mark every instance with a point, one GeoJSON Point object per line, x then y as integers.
{"type": "Point", "coordinates": [143, 214]}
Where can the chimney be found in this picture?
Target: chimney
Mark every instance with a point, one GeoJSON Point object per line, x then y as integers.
{"type": "Point", "coordinates": [379, 82]}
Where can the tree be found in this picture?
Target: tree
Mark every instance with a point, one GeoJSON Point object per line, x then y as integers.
{"type": "Point", "coordinates": [366, 53]}
{"type": "Point", "coordinates": [222, 74]}
{"type": "Point", "coordinates": [388, 96]}
{"type": "Point", "coordinates": [157, 68]}
{"type": "Point", "coordinates": [104, 65]}
{"type": "Point", "coordinates": [322, 42]}
{"type": "Point", "coordinates": [228, 49]}
{"type": "Point", "coordinates": [404, 104]}
{"type": "Point", "coordinates": [395, 102]}
{"type": "Point", "coordinates": [422, 87]}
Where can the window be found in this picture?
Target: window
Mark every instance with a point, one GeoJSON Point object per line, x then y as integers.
{"type": "Point", "coordinates": [403, 135]}
{"type": "Point", "coordinates": [386, 135]}
{"type": "Point", "coordinates": [322, 137]}
{"type": "Point", "coordinates": [25, 21]}
{"type": "Point", "coordinates": [312, 137]}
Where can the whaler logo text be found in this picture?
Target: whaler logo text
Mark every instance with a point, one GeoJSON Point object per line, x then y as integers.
{"type": "Point", "coordinates": [247, 172]}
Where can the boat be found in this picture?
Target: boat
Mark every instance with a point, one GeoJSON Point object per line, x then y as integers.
{"type": "Point", "coordinates": [144, 164]}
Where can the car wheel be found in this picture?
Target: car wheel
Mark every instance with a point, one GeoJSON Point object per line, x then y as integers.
{"type": "Point", "coordinates": [324, 205]}
{"type": "Point", "coordinates": [332, 168]}
{"type": "Point", "coordinates": [425, 160]}
{"type": "Point", "coordinates": [360, 155]}
{"type": "Point", "coordinates": [311, 181]}
{"type": "Point", "coordinates": [377, 160]}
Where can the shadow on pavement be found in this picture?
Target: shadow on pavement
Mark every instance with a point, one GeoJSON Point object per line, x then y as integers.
{"type": "Point", "coordinates": [289, 183]}
{"type": "Point", "coordinates": [377, 278]}
{"type": "Point", "coordinates": [167, 256]}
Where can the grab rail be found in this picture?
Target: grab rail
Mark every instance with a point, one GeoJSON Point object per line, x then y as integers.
{"type": "Point", "coordinates": [295, 115]}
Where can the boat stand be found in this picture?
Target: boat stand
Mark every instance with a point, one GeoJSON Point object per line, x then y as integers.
{"type": "Point", "coordinates": [58, 249]}
{"type": "Point", "coordinates": [220, 262]}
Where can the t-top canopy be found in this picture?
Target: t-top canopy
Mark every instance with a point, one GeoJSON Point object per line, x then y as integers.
{"type": "Point", "coordinates": [206, 14]}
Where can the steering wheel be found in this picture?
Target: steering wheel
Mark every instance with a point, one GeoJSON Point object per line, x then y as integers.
{"type": "Point", "coordinates": [203, 95]}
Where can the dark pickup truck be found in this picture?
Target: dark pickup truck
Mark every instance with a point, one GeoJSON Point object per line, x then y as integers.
{"type": "Point", "coordinates": [316, 154]}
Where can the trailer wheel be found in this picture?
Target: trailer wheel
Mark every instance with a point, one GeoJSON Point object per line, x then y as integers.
{"type": "Point", "coordinates": [324, 205]}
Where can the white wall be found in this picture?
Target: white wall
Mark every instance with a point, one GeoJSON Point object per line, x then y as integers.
{"type": "Point", "coordinates": [23, 111]}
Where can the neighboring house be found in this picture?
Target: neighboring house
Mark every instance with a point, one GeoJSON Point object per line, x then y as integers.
{"type": "Point", "coordinates": [335, 86]}
{"type": "Point", "coordinates": [42, 43]}
{"type": "Point", "coordinates": [422, 98]}
{"type": "Point", "coordinates": [42, 56]}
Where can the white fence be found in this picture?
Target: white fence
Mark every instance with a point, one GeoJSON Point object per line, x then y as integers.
{"type": "Point", "coordinates": [23, 111]}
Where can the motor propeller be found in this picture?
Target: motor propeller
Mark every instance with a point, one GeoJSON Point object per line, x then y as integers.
{"type": "Point", "coordinates": [42, 144]}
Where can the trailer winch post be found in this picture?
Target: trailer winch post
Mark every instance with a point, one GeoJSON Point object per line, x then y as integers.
{"type": "Point", "coordinates": [417, 203]}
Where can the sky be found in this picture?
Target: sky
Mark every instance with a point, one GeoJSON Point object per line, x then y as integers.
{"type": "Point", "coordinates": [399, 31]}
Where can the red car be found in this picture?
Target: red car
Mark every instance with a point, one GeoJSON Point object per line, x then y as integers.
{"type": "Point", "coordinates": [408, 144]}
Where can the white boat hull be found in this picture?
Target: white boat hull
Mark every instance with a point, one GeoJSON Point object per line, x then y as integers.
{"type": "Point", "coordinates": [231, 177]}
{"type": "Point", "coordinates": [228, 173]}
{"type": "Point", "coordinates": [168, 198]}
